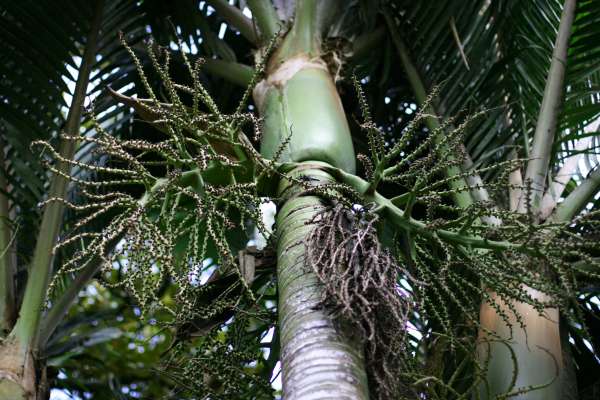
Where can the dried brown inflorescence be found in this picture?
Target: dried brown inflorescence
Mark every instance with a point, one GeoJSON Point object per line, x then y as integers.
{"type": "Point", "coordinates": [361, 281]}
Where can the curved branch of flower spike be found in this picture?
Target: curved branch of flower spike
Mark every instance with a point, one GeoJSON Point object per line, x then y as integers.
{"type": "Point", "coordinates": [148, 110]}
{"type": "Point", "coordinates": [461, 197]}
{"type": "Point", "coordinates": [400, 219]}
{"type": "Point", "coordinates": [91, 267]}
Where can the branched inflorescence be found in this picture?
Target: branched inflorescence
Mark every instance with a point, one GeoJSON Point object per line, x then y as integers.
{"type": "Point", "coordinates": [200, 198]}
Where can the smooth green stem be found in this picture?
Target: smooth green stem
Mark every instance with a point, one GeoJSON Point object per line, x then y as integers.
{"type": "Point", "coordinates": [237, 73]}
{"type": "Point", "coordinates": [305, 32]}
{"type": "Point", "coordinates": [462, 197]}
{"type": "Point", "coordinates": [318, 128]}
{"type": "Point", "coordinates": [577, 199]}
{"type": "Point", "coordinates": [304, 37]}
{"type": "Point", "coordinates": [320, 359]}
{"type": "Point", "coordinates": [236, 18]}
{"type": "Point", "coordinates": [541, 149]}
{"type": "Point", "coordinates": [266, 18]}
{"type": "Point", "coordinates": [7, 267]}
{"type": "Point", "coordinates": [26, 328]}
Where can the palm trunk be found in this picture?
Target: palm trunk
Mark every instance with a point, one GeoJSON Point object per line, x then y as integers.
{"type": "Point", "coordinates": [526, 363]}
{"type": "Point", "coordinates": [7, 267]}
{"type": "Point", "coordinates": [298, 98]}
{"type": "Point", "coordinates": [319, 358]}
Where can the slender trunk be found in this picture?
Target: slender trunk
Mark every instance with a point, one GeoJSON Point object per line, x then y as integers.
{"type": "Point", "coordinates": [298, 98]}
{"type": "Point", "coordinates": [20, 377]}
{"type": "Point", "coordinates": [7, 267]}
{"type": "Point", "coordinates": [528, 363]}
{"type": "Point", "coordinates": [541, 148]}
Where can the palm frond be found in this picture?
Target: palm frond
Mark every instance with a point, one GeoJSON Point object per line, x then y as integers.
{"type": "Point", "coordinates": [496, 56]}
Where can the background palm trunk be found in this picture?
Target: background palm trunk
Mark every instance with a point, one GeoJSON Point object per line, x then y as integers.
{"type": "Point", "coordinates": [520, 360]}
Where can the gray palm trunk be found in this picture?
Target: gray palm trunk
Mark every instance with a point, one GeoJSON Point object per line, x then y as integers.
{"type": "Point", "coordinates": [319, 359]}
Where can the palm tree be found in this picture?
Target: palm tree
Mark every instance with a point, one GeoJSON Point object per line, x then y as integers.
{"type": "Point", "coordinates": [442, 207]}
